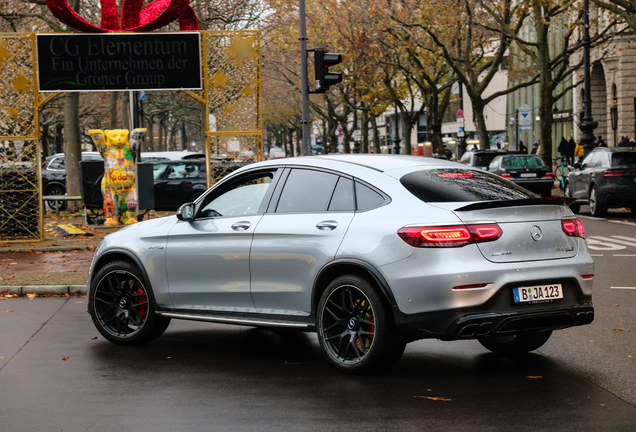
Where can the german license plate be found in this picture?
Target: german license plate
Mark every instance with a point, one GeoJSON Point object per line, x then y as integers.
{"type": "Point", "coordinates": [538, 294]}
{"type": "Point", "coordinates": [528, 174]}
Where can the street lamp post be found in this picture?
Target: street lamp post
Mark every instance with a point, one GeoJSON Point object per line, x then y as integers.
{"type": "Point", "coordinates": [587, 123]}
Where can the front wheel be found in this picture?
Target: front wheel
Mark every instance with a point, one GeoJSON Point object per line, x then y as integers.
{"type": "Point", "coordinates": [121, 308]}
{"type": "Point", "coordinates": [355, 327]}
{"type": "Point", "coordinates": [518, 344]}
{"type": "Point", "coordinates": [57, 205]}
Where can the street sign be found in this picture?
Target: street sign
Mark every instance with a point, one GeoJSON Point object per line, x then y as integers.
{"type": "Point", "coordinates": [340, 132]}
{"type": "Point", "coordinates": [460, 113]}
{"type": "Point", "coordinates": [357, 135]}
{"type": "Point", "coordinates": [525, 117]}
{"type": "Point", "coordinates": [460, 134]}
{"type": "Point", "coordinates": [142, 95]}
{"type": "Point", "coordinates": [460, 122]}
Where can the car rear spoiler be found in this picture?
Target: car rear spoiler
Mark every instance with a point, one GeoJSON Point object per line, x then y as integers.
{"type": "Point", "coordinates": [517, 203]}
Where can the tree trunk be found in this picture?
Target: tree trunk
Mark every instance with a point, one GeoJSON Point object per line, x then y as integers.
{"type": "Point", "coordinates": [376, 137]}
{"type": "Point", "coordinates": [480, 121]}
{"type": "Point", "coordinates": [113, 110]}
{"type": "Point", "coordinates": [407, 123]}
{"type": "Point", "coordinates": [72, 148]}
{"type": "Point", "coordinates": [546, 97]}
{"type": "Point", "coordinates": [59, 138]}
{"type": "Point", "coordinates": [44, 142]}
{"type": "Point", "coordinates": [364, 130]}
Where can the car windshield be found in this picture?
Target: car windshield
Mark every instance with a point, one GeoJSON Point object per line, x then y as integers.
{"type": "Point", "coordinates": [626, 158]}
{"type": "Point", "coordinates": [522, 162]}
{"type": "Point", "coordinates": [484, 159]}
{"type": "Point", "coordinates": [456, 185]}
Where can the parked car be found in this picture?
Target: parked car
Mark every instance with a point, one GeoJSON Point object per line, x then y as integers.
{"type": "Point", "coordinates": [369, 251]}
{"type": "Point", "coordinates": [54, 176]}
{"type": "Point", "coordinates": [170, 155]}
{"type": "Point", "coordinates": [480, 158]}
{"type": "Point", "coordinates": [528, 171]}
{"type": "Point", "coordinates": [178, 182]}
{"type": "Point", "coordinates": [606, 178]}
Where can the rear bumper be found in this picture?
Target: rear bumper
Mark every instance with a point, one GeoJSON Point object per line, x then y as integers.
{"type": "Point", "coordinates": [617, 195]}
{"type": "Point", "coordinates": [499, 316]}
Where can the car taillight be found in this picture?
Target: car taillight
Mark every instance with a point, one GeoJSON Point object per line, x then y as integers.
{"type": "Point", "coordinates": [449, 235]}
{"type": "Point", "coordinates": [612, 173]}
{"type": "Point", "coordinates": [548, 175]}
{"type": "Point", "coordinates": [506, 175]}
{"type": "Point", "coordinates": [573, 227]}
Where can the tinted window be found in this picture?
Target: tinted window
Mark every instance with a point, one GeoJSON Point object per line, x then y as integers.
{"type": "Point", "coordinates": [454, 185]}
{"type": "Point", "coordinates": [306, 191]}
{"type": "Point", "coordinates": [623, 159]}
{"type": "Point", "coordinates": [484, 159]}
{"type": "Point", "coordinates": [522, 162]}
{"type": "Point", "coordinates": [595, 160]}
{"type": "Point", "coordinates": [158, 170]}
{"type": "Point", "coordinates": [367, 198]}
{"type": "Point", "coordinates": [183, 171]}
{"type": "Point", "coordinates": [342, 199]}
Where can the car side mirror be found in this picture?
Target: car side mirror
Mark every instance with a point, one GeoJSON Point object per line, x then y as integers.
{"type": "Point", "coordinates": [186, 212]}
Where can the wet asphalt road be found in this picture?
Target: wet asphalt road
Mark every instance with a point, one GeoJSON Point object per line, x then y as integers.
{"type": "Point", "coordinates": [208, 377]}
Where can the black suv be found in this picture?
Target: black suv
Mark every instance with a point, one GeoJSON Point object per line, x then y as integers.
{"type": "Point", "coordinates": [54, 176]}
{"type": "Point", "coordinates": [606, 178]}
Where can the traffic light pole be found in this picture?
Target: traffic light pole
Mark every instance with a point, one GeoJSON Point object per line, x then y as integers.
{"type": "Point", "coordinates": [306, 120]}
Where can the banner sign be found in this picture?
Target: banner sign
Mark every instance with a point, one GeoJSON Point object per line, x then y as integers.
{"type": "Point", "coordinates": [118, 61]}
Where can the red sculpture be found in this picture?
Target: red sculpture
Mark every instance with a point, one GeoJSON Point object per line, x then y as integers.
{"type": "Point", "coordinates": [134, 17]}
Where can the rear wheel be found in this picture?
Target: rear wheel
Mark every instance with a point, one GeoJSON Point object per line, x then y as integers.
{"type": "Point", "coordinates": [596, 208]}
{"type": "Point", "coordinates": [517, 344]}
{"type": "Point", "coordinates": [356, 328]}
{"type": "Point", "coordinates": [57, 205]}
{"type": "Point", "coordinates": [121, 308]}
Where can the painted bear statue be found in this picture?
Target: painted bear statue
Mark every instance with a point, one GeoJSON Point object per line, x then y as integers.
{"type": "Point", "coordinates": [118, 184]}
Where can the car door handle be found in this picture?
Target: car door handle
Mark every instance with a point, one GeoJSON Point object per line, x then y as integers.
{"type": "Point", "coordinates": [241, 226]}
{"type": "Point", "coordinates": [327, 225]}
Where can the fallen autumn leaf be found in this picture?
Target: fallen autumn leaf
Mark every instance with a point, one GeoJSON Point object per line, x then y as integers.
{"type": "Point", "coordinates": [620, 329]}
{"type": "Point", "coordinates": [619, 305]}
{"type": "Point", "coordinates": [3, 357]}
{"type": "Point", "coordinates": [31, 296]}
{"type": "Point", "coordinates": [66, 358]}
{"type": "Point", "coordinates": [8, 310]}
{"type": "Point", "coordinates": [534, 376]}
{"type": "Point", "coordinates": [433, 398]}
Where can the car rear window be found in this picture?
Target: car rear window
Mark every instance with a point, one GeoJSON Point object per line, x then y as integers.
{"type": "Point", "coordinates": [619, 159]}
{"type": "Point", "coordinates": [484, 159]}
{"type": "Point", "coordinates": [456, 185]}
{"type": "Point", "coordinates": [522, 162]}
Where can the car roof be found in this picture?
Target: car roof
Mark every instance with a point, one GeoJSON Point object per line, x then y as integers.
{"type": "Point", "coordinates": [382, 162]}
{"type": "Point", "coordinates": [617, 149]}
{"type": "Point", "coordinates": [172, 155]}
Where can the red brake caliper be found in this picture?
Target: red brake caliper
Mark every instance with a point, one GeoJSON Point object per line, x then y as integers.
{"type": "Point", "coordinates": [143, 309]}
{"type": "Point", "coordinates": [370, 328]}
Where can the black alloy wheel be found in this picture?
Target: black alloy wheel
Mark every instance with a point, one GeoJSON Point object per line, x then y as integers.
{"type": "Point", "coordinates": [355, 327]}
{"type": "Point", "coordinates": [121, 308]}
{"type": "Point", "coordinates": [57, 205]}
{"type": "Point", "coordinates": [596, 209]}
{"type": "Point", "coordinates": [514, 345]}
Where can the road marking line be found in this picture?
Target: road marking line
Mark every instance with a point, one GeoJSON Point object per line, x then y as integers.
{"type": "Point", "coordinates": [623, 255]}
{"type": "Point", "coordinates": [598, 245]}
{"type": "Point", "coordinates": [632, 241]}
{"type": "Point", "coordinates": [622, 222]}
{"type": "Point", "coordinates": [596, 254]}
{"type": "Point", "coordinates": [634, 288]}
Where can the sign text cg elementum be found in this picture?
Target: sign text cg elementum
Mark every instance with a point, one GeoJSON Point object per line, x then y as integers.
{"type": "Point", "coordinates": [119, 61]}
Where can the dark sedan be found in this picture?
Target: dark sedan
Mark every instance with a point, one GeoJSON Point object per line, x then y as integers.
{"type": "Point", "coordinates": [528, 171]}
{"type": "Point", "coordinates": [480, 158]}
{"type": "Point", "coordinates": [606, 178]}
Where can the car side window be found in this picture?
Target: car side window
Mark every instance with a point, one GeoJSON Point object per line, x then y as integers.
{"type": "Point", "coordinates": [493, 164]}
{"type": "Point", "coordinates": [158, 170]}
{"type": "Point", "coordinates": [242, 198]}
{"type": "Point", "coordinates": [595, 160]}
{"type": "Point", "coordinates": [605, 161]}
{"type": "Point", "coordinates": [343, 198]}
{"type": "Point", "coordinates": [367, 198]}
{"type": "Point", "coordinates": [588, 159]}
{"type": "Point", "coordinates": [306, 191]}
{"type": "Point", "coordinates": [57, 163]}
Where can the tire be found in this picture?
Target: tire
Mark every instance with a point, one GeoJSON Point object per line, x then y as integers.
{"type": "Point", "coordinates": [596, 209]}
{"type": "Point", "coordinates": [575, 207]}
{"type": "Point", "coordinates": [514, 345]}
{"type": "Point", "coordinates": [355, 327]}
{"type": "Point", "coordinates": [59, 205]}
{"type": "Point", "coordinates": [119, 303]}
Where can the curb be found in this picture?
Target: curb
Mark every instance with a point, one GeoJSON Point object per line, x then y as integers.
{"type": "Point", "coordinates": [46, 249]}
{"type": "Point", "coordinates": [46, 289]}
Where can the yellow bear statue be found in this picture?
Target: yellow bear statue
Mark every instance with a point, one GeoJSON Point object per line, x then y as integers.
{"type": "Point", "coordinates": [118, 184]}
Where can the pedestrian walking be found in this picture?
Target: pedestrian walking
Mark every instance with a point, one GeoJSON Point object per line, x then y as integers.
{"type": "Point", "coordinates": [535, 148]}
{"type": "Point", "coordinates": [563, 149]}
{"type": "Point", "coordinates": [448, 153]}
{"type": "Point", "coordinates": [579, 151]}
{"type": "Point", "coordinates": [522, 148]}
{"type": "Point", "coordinates": [624, 142]}
{"type": "Point", "coordinates": [571, 149]}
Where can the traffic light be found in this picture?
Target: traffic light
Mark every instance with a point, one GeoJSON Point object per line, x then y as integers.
{"type": "Point", "coordinates": [324, 78]}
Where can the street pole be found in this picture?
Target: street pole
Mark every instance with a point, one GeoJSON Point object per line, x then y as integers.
{"type": "Point", "coordinates": [517, 132]}
{"type": "Point", "coordinates": [396, 136]}
{"type": "Point", "coordinates": [306, 120]}
{"type": "Point", "coordinates": [587, 123]}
